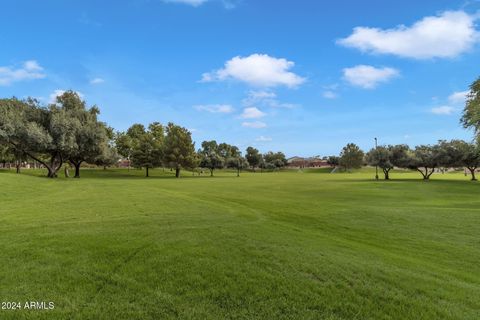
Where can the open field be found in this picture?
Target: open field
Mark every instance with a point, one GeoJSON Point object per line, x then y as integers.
{"type": "Point", "coordinates": [288, 245]}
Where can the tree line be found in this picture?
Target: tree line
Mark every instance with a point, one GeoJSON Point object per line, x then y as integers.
{"type": "Point", "coordinates": [69, 132]}
{"type": "Point", "coordinates": [424, 158]}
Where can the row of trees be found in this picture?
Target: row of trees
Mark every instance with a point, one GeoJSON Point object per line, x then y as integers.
{"type": "Point", "coordinates": [424, 158]}
{"type": "Point", "coordinates": [172, 147]}
{"type": "Point", "coordinates": [68, 131]}
{"type": "Point", "coordinates": [65, 131]}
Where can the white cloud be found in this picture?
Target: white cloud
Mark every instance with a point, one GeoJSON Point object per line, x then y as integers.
{"type": "Point", "coordinates": [458, 97]}
{"type": "Point", "coordinates": [53, 96]}
{"type": "Point", "coordinates": [265, 99]}
{"type": "Point", "coordinates": [30, 70]}
{"type": "Point", "coordinates": [368, 77]}
{"type": "Point", "coordinates": [97, 81]}
{"type": "Point", "coordinates": [252, 113]}
{"type": "Point", "coordinates": [329, 94]}
{"type": "Point", "coordinates": [443, 110]}
{"type": "Point", "coordinates": [215, 108]}
{"type": "Point", "coordinates": [263, 139]}
{"type": "Point", "coordinates": [194, 3]}
{"type": "Point", "coordinates": [254, 124]}
{"type": "Point", "coordinates": [444, 36]}
{"type": "Point", "coordinates": [258, 70]}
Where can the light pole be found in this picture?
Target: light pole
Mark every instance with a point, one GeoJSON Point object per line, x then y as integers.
{"type": "Point", "coordinates": [376, 166]}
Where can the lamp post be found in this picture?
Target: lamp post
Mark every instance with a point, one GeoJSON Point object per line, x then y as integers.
{"type": "Point", "coordinates": [376, 166]}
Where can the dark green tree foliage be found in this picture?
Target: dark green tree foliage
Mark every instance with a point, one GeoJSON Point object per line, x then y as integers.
{"type": "Point", "coordinates": [381, 157]}
{"type": "Point", "coordinates": [459, 154]}
{"type": "Point", "coordinates": [274, 160]}
{"type": "Point", "coordinates": [44, 134]}
{"type": "Point", "coordinates": [471, 112]}
{"type": "Point", "coordinates": [211, 156]}
{"type": "Point", "coordinates": [425, 159]}
{"type": "Point", "coordinates": [179, 149]}
{"type": "Point", "coordinates": [254, 157]}
{"type": "Point", "coordinates": [146, 146]}
{"type": "Point", "coordinates": [351, 157]}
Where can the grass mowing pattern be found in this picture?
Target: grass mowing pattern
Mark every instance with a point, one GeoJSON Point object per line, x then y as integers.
{"type": "Point", "coordinates": [290, 245]}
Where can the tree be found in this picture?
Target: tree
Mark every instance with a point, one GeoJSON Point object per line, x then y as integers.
{"type": "Point", "coordinates": [179, 150]}
{"type": "Point", "coordinates": [254, 157]}
{"type": "Point", "coordinates": [400, 156]}
{"type": "Point", "coordinates": [147, 146]}
{"type": "Point", "coordinates": [351, 157]}
{"type": "Point", "coordinates": [90, 136]}
{"type": "Point", "coordinates": [238, 162]}
{"type": "Point", "coordinates": [471, 112]}
{"type": "Point", "coordinates": [124, 146]}
{"type": "Point", "coordinates": [43, 134]}
{"type": "Point", "coordinates": [210, 156]}
{"type": "Point", "coordinates": [425, 159]}
{"type": "Point", "coordinates": [381, 157]}
{"type": "Point", "coordinates": [274, 160]}
{"type": "Point", "coordinates": [458, 153]}
{"type": "Point", "coordinates": [333, 161]}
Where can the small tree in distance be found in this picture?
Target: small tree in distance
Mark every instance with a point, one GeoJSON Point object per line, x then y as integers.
{"type": "Point", "coordinates": [351, 157]}
{"type": "Point", "coordinates": [254, 157]}
{"type": "Point", "coordinates": [381, 157]}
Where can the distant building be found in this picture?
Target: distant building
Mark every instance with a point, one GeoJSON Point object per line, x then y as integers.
{"type": "Point", "coordinates": [312, 162]}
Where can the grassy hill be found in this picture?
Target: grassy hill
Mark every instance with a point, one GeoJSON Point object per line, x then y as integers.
{"type": "Point", "coordinates": [283, 245]}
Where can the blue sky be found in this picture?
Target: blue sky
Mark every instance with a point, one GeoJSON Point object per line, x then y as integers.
{"type": "Point", "coordinates": [304, 77]}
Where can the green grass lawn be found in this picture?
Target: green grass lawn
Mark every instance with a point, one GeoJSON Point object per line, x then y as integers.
{"type": "Point", "coordinates": [285, 245]}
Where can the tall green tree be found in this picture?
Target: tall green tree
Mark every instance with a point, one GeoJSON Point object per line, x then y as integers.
{"type": "Point", "coordinates": [381, 157]}
{"type": "Point", "coordinates": [179, 149]}
{"type": "Point", "coordinates": [351, 157]}
{"type": "Point", "coordinates": [90, 136]}
{"type": "Point", "coordinates": [254, 157]}
{"type": "Point", "coordinates": [471, 113]}
{"type": "Point", "coordinates": [210, 156]}
{"type": "Point", "coordinates": [147, 146]}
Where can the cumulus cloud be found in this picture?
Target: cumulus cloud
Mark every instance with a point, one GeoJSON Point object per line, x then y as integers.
{"type": "Point", "coordinates": [194, 3]}
{"type": "Point", "coordinates": [368, 77]}
{"type": "Point", "coordinates": [29, 70]}
{"type": "Point", "coordinates": [97, 81]}
{"type": "Point", "coordinates": [215, 108]}
{"type": "Point", "coordinates": [458, 97]}
{"type": "Point", "coordinates": [263, 139]}
{"type": "Point", "coordinates": [444, 36]}
{"type": "Point", "coordinates": [258, 70]}
{"type": "Point", "coordinates": [254, 125]}
{"type": "Point", "coordinates": [443, 110]}
{"type": "Point", "coordinates": [53, 96]}
{"type": "Point", "coordinates": [252, 113]}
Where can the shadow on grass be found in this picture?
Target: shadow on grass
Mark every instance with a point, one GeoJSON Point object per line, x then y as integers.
{"type": "Point", "coordinates": [115, 174]}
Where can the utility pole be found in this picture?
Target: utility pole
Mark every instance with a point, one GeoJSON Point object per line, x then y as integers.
{"type": "Point", "coordinates": [376, 166]}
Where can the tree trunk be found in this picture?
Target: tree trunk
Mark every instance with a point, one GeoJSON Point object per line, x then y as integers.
{"type": "Point", "coordinates": [67, 174]}
{"type": "Point", "coordinates": [472, 172]}
{"type": "Point", "coordinates": [386, 172]}
{"type": "Point", "coordinates": [177, 172]}
{"type": "Point", "coordinates": [77, 168]}
{"type": "Point", "coordinates": [424, 174]}
{"type": "Point", "coordinates": [211, 172]}
{"type": "Point", "coordinates": [18, 164]}
{"type": "Point", "coordinates": [146, 172]}
{"type": "Point", "coordinates": [238, 172]}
